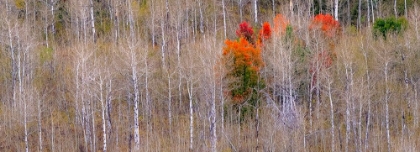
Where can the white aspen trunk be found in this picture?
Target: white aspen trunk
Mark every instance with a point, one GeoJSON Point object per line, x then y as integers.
{"type": "Point", "coordinates": [52, 132]}
{"type": "Point", "coordinates": [136, 102]}
{"type": "Point", "coordinates": [386, 107]}
{"type": "Point", "coordinates": [52, 17]}
{"type": "Point", "coordinates": [103, 111]}
{"type": "Point", "coordinates": [416, 106]}
{"type": "Point", "coordinates": [13, 63]}
{"type": "Point", "coordinates": [368, 98]}
{"type": "Point", "coordinates": [190, 95]}
{"type": "Point", "coordinates": [332, 117]}
{"type": "Point", "coordinates": [347, 110]}
{"type": "Point", "coordinates": [93, 133]}
{"type": "Point", "coordinates": [39, 125]}
{"type": "Point", "coordinates": [359, 15]}
{"type": "Point", "coordinates": [416, 22]}
{"type": "Point", "coordinates": [169, 102]}
{"type": "Point", "coordinates": [213, 136]}
{"type": "Point", "coordinates": [405, 8]}
{"type": "Point", "coordinates": [368, 12]}
{"type": "Point", "coordinates": [336, 9]}
{"type": "Point", "coordinates": [255, 11]}
{"type": "Point", "coordinates": [395, 8]}
{"type": "Point", "coordinates": [273, 7]}
{"type": "Point", "coordinates": [25, 124]}
{"type": "Point", "coordinates": [153, 22]}
{"type": "Point", "coordinates": [373, 11]}
{"type": "Point", "coordinates": [83, 103]}
{"type": "Point", "coordinates": [240, 10]}
{"type": "Point", "coordinates": [201, 17]}
{"type": "Point", "coordinates": [46, 24]}
{"type": "Point", "coordinates": [290, 7]}
{"type": "Point", "coordinates": [163, 43]}
{"type": "Point", "coordinates": [224, 18]}
{"type": "Point", "coordinates": [131, 23]}
{"type": "Point", "coordinates": [92, 21]}
{"type": "Point", "coordinates": [148, 113]}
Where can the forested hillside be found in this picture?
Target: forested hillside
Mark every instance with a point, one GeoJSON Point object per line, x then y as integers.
{"type": "Point", "coordinates": [209, 75]}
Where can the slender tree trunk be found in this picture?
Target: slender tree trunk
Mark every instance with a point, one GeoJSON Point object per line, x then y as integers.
{"type": "Point", "coordinates": [135, 108]}
{"type": "Point", "coordinates": [103, 111]}
{"type": "Point", "coordinates": [332, 117]}
{"type": "Point", "coordinates": [39, 125]}
{"type": "Point", "coordinates": [336, 9]}
{"type": "Point", "coordinates": [201, 17]}
{"type": "Point", "coordinates": [255, 11]}
{"type": "Point", "coordinates": [405, 9]}
{"type": "Point", "coordinates": [359, 15]}
{"type": "Point", "coordinates": [240, 10]}
{"type": "Point", "coordinates": [224, 18]}
{"type": "Point", "coordinates": [148, 111]}
{"type": "Point", "coordinates": [213, 136]}
{"type": "Point", "coordinates": [386, 107]}
{"type": "Point", "coordinates": [348, 107]}
{"type": "Point", "coordinates": [373, 11]}
{"type": "Point", "coordinates": [368, 13]}
{"type": "Point", "coordinates": [52, 3]}
{"type": "Point", "coordinates": [369, 106]}
{"type": "Point", "coordinates": [395, 8]}
{"type": "Point", "coordinates": [190, 95]}
{"type": "Point", "coordinates": [163, 47]}
{"type": "Point", "coordinates": [92, 21]}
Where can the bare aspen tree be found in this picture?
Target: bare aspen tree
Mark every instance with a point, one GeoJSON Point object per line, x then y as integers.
{"type": "Point", "coordinates": [373, 11]}
{"type": "Point", "coordinates": [368, 12]}
{"type": "Point", "coordinates": [359, 15]}
{"type": "Point", "coordinates": [387, 92]}
{"type": "Point", "coordinates": [348, 73]}
{"type": "Point", "coordinates": [201, 17]}
{"type": "Point", "coordinates": [52, 3]}
{"type": "Point", "coordinates": [134, 79]}
{"type": "Point", "coordinates": [135, 82]}
{"type": "Point", "coordinates": [332, 115]}
{"type": "Point", "coordinates": [152, 14]}
{"type": "Point", "coordinates": [336, 9]}
{"type": "Point", "coordinates": [92, 21]}
{"type": "Point", "coordinates": [395, 8]}
{"type": "Point", "coordinates": [405, 9]}
{"type": "Point", "coordinates": [368, 99]}
{"type": "Point", "coordinates": [255, 3]}
{"type": "Point", "coordinates": [240, 10]}
{"type": "Point", "coordinates": [224, 18]}
{"type": "Point", "coordinates": [39, 102]}
{"type": "Point", "coordinates": [190, 90]}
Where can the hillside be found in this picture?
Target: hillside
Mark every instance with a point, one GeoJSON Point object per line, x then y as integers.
{"type": "Point", "coordinates": [209, 75]}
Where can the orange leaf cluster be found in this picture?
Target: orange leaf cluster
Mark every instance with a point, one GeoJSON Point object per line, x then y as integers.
{"type": "Point", "coordinates": [328, 25]}
{"type": "Point", "coordinates": [280, 24]}
{"type": "Point", "coordinates": [245, 54]}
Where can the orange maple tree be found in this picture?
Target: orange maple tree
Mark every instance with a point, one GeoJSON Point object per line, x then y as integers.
{"type": "Point", "coordinates": [280, 24]}
{"type": "Point", "coordinates": [247, 62]}
{"type": "Point", "coordinates": [326, 23]}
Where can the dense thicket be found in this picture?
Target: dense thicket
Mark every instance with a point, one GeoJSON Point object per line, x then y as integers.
{"type": "Point", "coordinates": [209, 75]}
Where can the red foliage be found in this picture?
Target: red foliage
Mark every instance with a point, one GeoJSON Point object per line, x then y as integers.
{"type": "Point", "coordinates": [329, 26]}
{"type": "Point", "coordinates": [245, 31]}
{"type": "Point", "coordinates": [265, 32]}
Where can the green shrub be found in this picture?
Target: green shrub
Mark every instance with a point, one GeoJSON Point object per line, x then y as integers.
{"type": "Point", "coordinates": [390, 25]}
